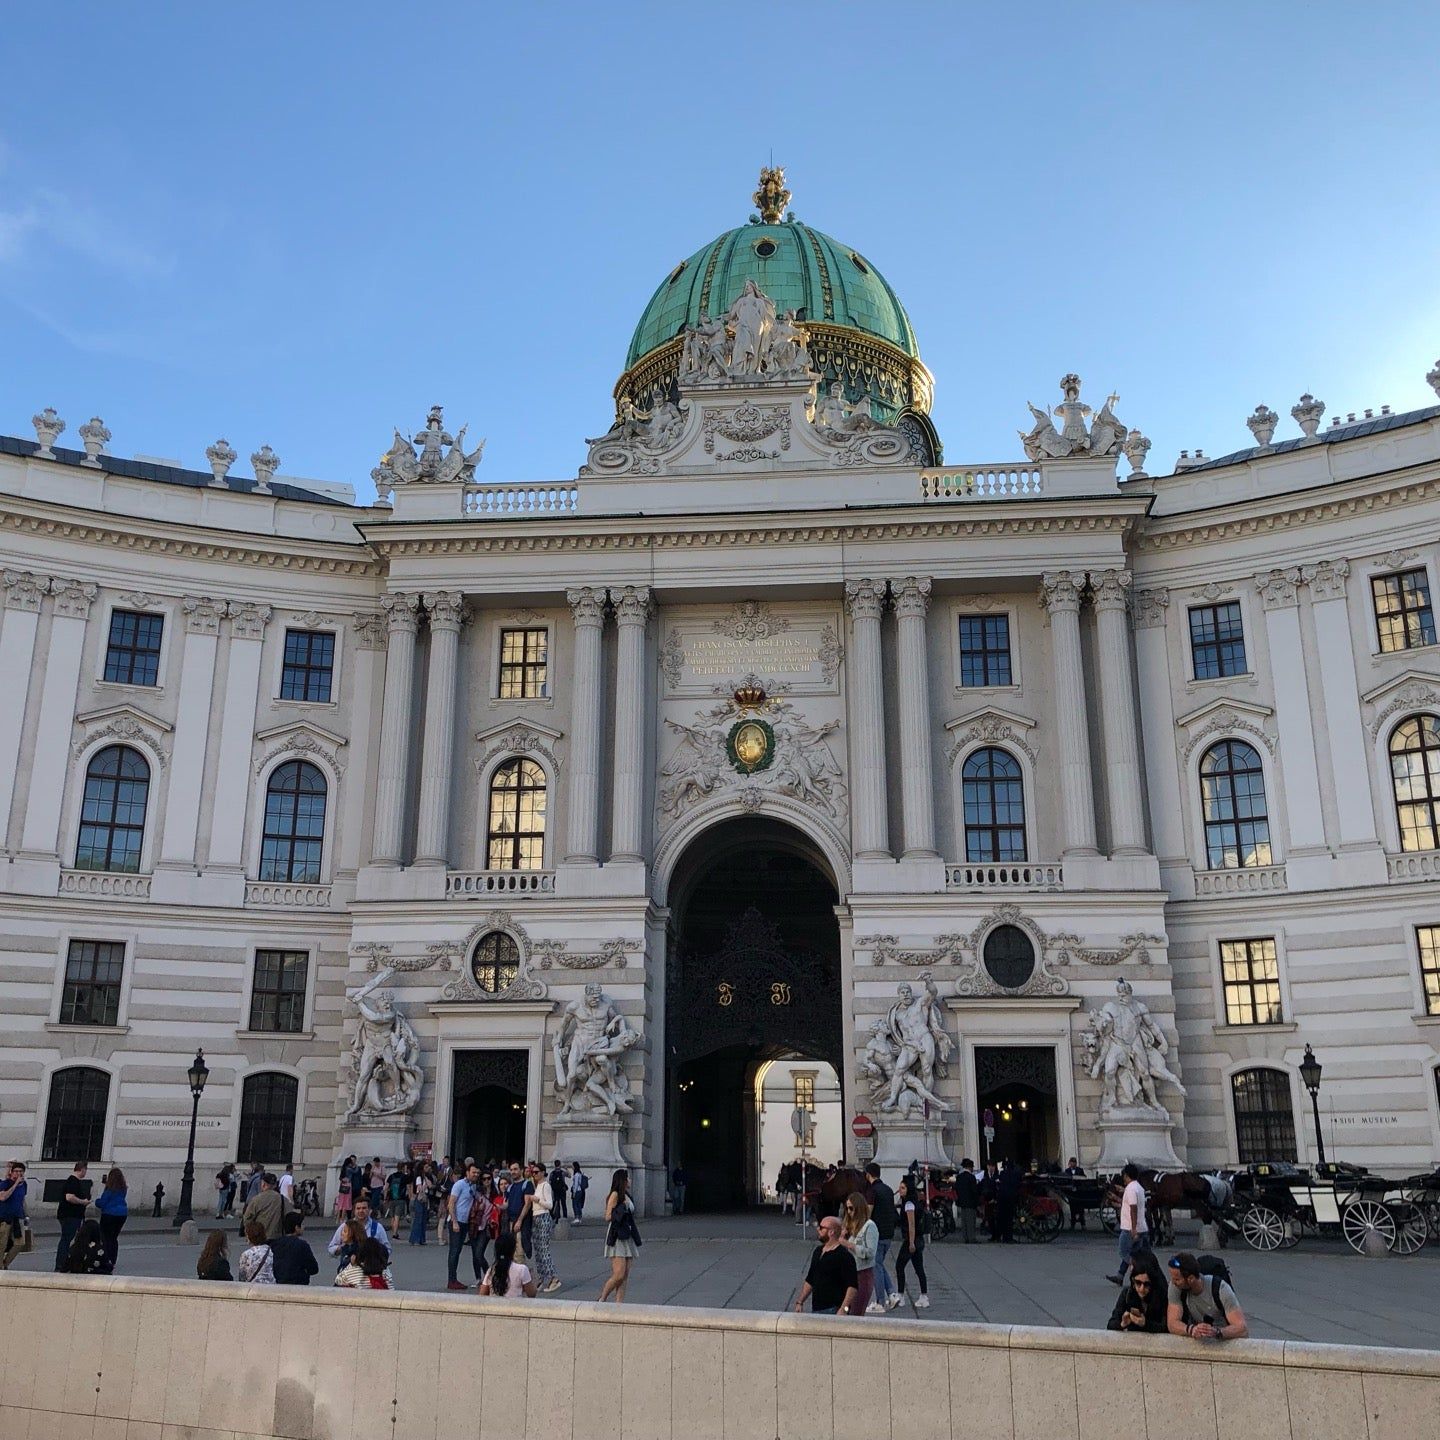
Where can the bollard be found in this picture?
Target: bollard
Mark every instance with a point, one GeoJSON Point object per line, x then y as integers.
{"type": "Point", "coordinates": [1209, 1236]}
{"type": "Point", "coordinates": [1374, 1246]}
{"type": "Point", "coordinates": [188, 1233]}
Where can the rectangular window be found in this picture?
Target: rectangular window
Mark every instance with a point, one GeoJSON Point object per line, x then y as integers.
{"type": "Point", "coordinates": [277, 999]}
{"type": "Point", "coordinates": [91, 995]}
{"type": "Point", "coordinates": [805, 1100]}
{"type": "Point", "coordinates": [1429, 938]}
{"type": "Point", "coordinates": [1250, 972]}
{"type": "Point", "coordinates": [309, 665]}
{"type": "Point", "coordinates": [984, 650]}
{"type": "Point", "coordinates": [525, 664]}
{"type": "Point", "coordinates": [1403, 616]}
{"type": "Point", "coordinates": [132, 656]}
{"type": "Point", "coordinates": [1217, 640]}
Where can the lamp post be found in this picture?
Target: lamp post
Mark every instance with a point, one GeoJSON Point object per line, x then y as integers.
{"type": "Point", "coordinates": [198, 1073]}
{"type": "Point", "coordinates": [1310, 1073]}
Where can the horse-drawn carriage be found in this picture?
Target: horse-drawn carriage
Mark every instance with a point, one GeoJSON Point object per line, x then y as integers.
{"type": "Point", "coordinates": [1276, 1204]}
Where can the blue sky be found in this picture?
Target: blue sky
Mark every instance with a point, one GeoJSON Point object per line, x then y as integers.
{"type": "Point", "coordinates": [303, 224]}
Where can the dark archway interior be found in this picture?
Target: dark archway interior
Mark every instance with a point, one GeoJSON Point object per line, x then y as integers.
{"type": "Point", "coordinates": [1016, 1083]}
{"type": "Point", "coordinates": [754, 973]}
{"type": "Point", "coordinates": [487, 1115]}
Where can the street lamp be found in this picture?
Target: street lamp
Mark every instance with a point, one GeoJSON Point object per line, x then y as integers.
{"type": "Point", "coordinates": [198, 1074]}
{"type": "Point", "coordinates": [1310, 1074]}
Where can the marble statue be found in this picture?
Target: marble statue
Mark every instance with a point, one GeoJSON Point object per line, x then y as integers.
{"type": "Point", "coordinates": [750, 320]}
{"type": "Point", "coordinates": [922, 1047]}
{"type": "Point", "coordinates": [433, 464]}
{"type": "Point", "coordinates": [1072, 412]}
{"type": "Point", "coordinates": [842, 418]}
{"type": "Point", "coordinates": [1107, 434]}
{"type": "Point", "coordinates": [877, 1064]}
{"type": "Point", "coordinates": [789, 354]}
{"type": "Point", "coordinates": [704, 354]}
{"type": "Point", "coordinates": [1042, 441]}
{"type": "Point", "coordinates": [1126, 1051]}
{"type": "Point", "coordinates": [1105, 437]}
{"type": "Point", "coordinates": [750, 342]}
{"type": "Point", "coordinates": [386, 1055]}
{"type": "Point", "coordinates": [593, 1035]}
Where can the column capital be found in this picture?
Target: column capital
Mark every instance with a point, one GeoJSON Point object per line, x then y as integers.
{"type": "Point", "coordinates": [369, 630]}
{"type": "Point", "coordinates": [1150, 607]}
{"type": "Point", "coordinates": [24, 590]}
{"type": "Point", "coordinates": [1278, 587]}
{"type": "Point", "coordinates": [73, 597]}
{"type": "Point", "coordinates": [402, 611]}
{"type": "Point", "coordinates": [247, 620]}
{"type": "Point", "coordinates": [203, 614]}
{"type": "Point", "coordinates": [911, 595]}
{"type": "Point", "coordinates": [1111, 588]}
{"type": "Point", "coordinates": [633, 604]}
{"type": "Point", "coordinates": [446, 610]}
{"type": "Point", "coordinates": [1060, 591]}
{"type": "Point", "coordinates": [865, 599]}
{"type": "Point", "coordinates": [587, 605]}
{"type": "Point", "coordinates": [1327, 579]}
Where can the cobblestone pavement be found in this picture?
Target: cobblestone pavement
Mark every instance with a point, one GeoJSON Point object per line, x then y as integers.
{"type": "Point", "coordinates": [1320, 1291]}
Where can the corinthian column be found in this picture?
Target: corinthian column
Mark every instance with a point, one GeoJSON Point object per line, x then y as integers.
{"type": "Point", "coordinates": [402, 616]}
{"type": "Point", "coordinates": [865, 599]}
{"type": "Point", "coordinates": [447, 613]}
{"type": "Point", "coordinates": [1111, 589]}
{"type": "Point", "coordinates": [912, 600]}
{"type": "Point", "coordinates": [1060, 595]}
{"type": "Point", "coordinates": [587, 607]}
{"type": "Point", "coordinates": [632, 612]}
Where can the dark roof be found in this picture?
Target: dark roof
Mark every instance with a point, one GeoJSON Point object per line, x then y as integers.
{"type": "Point", "coordinates": [168, 474]}
{"type": "Point", "coordinates": [1335, 432]}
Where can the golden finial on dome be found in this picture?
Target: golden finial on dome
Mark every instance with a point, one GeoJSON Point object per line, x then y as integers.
{"type": "Point", "coordinates": [772, 197]}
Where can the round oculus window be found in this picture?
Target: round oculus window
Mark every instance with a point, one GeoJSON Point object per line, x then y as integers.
{"type": "Point", "coordinates": [1009, 957]}
{"type": "Point", "coordinates": [495, 963]}
{"type": "Point", "coordinates": [765, 248]}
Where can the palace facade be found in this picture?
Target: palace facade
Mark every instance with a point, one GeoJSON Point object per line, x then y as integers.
{"type": "Point", "coordinates": [767, 713]}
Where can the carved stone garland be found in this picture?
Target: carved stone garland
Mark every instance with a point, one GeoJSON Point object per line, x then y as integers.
{"type": "Point", "coordinates": [524, 986]}
{"type": "Point", "coordinates": [552, 954]}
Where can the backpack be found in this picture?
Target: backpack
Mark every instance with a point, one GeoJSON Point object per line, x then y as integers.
{"type": "Point", "coordinates": [1216, 1271]}
{"type": "Point", "coordinates": [922, 1221]}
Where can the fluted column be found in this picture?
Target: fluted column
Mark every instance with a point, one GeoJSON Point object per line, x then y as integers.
{"type": "Point", "coordinates": [1060, 595]}
{"type": "Point", "coordinates": [632, 613]}
{"type": "Point", "coordinates": [402, 617]}
{"type": "Point", "coordinates": [912, 601]}
{"type": "Point", "coordinates": [447, 613]}
{"type": "Point", "coordinates": [865, 599]}
{"type": "Point", "coordinates": [1111, 589]}
{"type": "Point", "coordinates": [587, 608]}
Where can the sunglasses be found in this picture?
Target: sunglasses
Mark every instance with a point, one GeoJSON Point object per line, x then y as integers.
{"type": "Point", "coordinates": [1141, 1284]}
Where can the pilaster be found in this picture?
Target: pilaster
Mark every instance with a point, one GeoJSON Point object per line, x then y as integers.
{"type": "Point", "coordinates": [587, 609]}
{"type": "Point", "coordinates": [911, 597]}
{"type": "Point", "coordinates": [865, 600]}
{"type": "Point", "coordinates": [632, 606]}
{"type": "Point", "coordinates": [402, 619]}
{"type": "Point", "coordinates": [1111, 591]}
{"type": "Point", "coordinates": [233, 777]}
{"type": "Point", "coordinates": [24, 593]}
{"type": "Point", "coordinates": [447, 614]}
{"type": "Point", "coordinates": [1060, 595]}
{"type": "Point", "coordinates": [202, 615]}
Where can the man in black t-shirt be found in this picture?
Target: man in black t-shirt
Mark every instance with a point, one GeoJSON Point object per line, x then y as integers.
{"type": "Point", "coordinates": [887, 1222]}
{"type": "Point", "coordinates": [831, 1281]}
{"type": "Point", "coordinates": [293, 1259]}
{"type": "Point", "coordinates": [72, 1208]}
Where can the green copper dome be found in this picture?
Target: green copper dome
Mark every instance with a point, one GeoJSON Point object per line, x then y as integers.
{"type": "Point", "coordinates": [798, 268]}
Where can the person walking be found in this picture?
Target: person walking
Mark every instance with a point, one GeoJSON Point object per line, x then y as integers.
{"type": "Point", "coordinates": [71, 1211]}
{"type": "Point", "coordinates": [912, 1240]}
{"type": "Point", "coordinates": [862, 1238]}
{"type": "Point", "coordinates": [420, 1188]}
{"type": "Point", "coordinates": [579, 1184]}
{"type": "Point", "coordinates": [114, 1208]}
{"type": "Point", "coordinates": [831, 1281]}
{"type": "Point", "coordinates": [622, 1236]}
{"type": "Point", "coordinates": [560, 1188]}
{"type": "Point", "coordinates": [12, 1213]}
{"type": "Point", "coordinates": [1007, 1197]}
{"type": "Point", "coordinates": [222, 1189]}
{"type": "Point", "coordinates": [507, 1278]}
{"type": "Point", "coordinates": [257, 1261]}
{"type": "Point", "coordinates": [375, 1186]}
{"type": "Point", "coordinates": [679, 1182]}
{"type": "Point", "coordinates": [397, 1196]}
{"type": "Point", "coordinates": [294, 1261]}
{"type": "Point", "coordinates": [967, 1200]}
{"type": "Point", "coordinates": [287, 1183]}
{"type": "Point", "coordinates": [266, 1207]}
{"type": "Point", "coordinates": [86, 1255]}
{"type": "Point", "coordinates": [1134, 1232]}
{"type": "Point", "coordinates": [542, 1213]}
{"type": "Point", "coordinates": [517, 1209]}
{"type": "Point", "coordinates": [887, 1222]}
{"type": "Point", "coordinates": [345, 1188]}
{"type": "Point", "coordinates": [461, 1206]}
{"type": "Point", "coordinates": [214, 1261]}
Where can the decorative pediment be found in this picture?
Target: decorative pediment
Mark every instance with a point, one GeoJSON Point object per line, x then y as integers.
{"type": "Point", "coordinates": [464, 987]}
{"type": "Point", "coordinates": [992, 726]}
{"type": "Point", "coordinates": [1227, 717]}
{"type": "Point", "coordinates": [301, 740]}
{"type": "Point", "coordinates": [1412, 690]}
{"type": "Point", "coordinates": [127, 726]}
{"type": "Point", "coordinates": [517, 737]}
{"type": "Point", "coordinates": [976, 980]}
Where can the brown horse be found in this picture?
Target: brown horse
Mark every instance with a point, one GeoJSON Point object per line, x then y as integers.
{"type": "Point", "coordinates": [1167, 1191]}
{"type": "Point", "coordinates": [836, 1189]}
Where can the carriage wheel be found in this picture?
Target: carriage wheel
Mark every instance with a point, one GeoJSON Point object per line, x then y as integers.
{"type": "Point", "coordinates": [1432, 1218]}
{"type": "Point", "coordinates": [1262, 1228]}
{"type": "Point", "coordinates": [1048, 1221]}
{"type": "Point", "coordinates": [1364, 1216]}
{"type": "Point", "coordinates": [1411, 1231]}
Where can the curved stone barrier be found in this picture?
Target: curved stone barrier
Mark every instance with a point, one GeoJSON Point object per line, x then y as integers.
{"type": "Point", "coordinates": [223, 1361]}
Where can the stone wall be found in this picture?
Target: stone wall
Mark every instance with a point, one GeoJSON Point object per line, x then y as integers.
{"type": "Point", "coordinates": [231, 1360]}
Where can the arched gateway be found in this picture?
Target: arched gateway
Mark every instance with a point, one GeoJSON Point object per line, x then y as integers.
{"type": "Point", "coordinates": [753, 975]}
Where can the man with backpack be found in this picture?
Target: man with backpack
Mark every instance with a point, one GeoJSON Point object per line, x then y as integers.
{"type": "Point", "coordinates": [887, 1222]}
{"type": "Point", "coordinates": [1203, 1303]}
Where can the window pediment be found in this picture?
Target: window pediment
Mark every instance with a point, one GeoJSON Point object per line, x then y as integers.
{"type": "Point", "coordinates": [126, 726]}
{"type": "Point", "coordinates": [991, 726]}
{"type": "Point", "coordinates": [518, 737]}
{"type": "Point", "coordinates": [1227, 717]}
{"type": "Point", "coordinates": [301, 740]}
{"type": "Point", "coordinates": [1410, 690]}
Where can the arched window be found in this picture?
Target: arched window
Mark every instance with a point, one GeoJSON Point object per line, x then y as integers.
{"type": "Point", "coordinates": [112, 814]}
{"type": "Point", "coordinates": [1415, 778]}
{"type": "Point", "coordinates": [993, 794]}
{"type": "Point", "coordinates": [294, 824]}
{"type": "Point", "coordinates": [1264, 1121]}
{"type": "Point", "coordinates": [496, 962]}
{"type": "Point", "coordinates": [75, 1116]}
{"type": "Point", "coordinates": [1232, 794]}
{"type": "Point", "coordinates": [516, 836]}
{"type": "Point", "coordinates": [267, 1117]}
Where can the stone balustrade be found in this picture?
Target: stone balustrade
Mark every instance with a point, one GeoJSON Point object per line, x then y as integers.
{"type": "Point", "coordinates": [981, 482]}
{"type": "Point", "coordinates": [1248, 880]}
{"type": "Point", "coordinates": [521, 499]}
{"type": "Point", "coordinates": [460, 884]}
{"type": "Point", "coordinates": [113, 1355]}
{"type": "Point", "coordinates": [285, 896]}
{"type": "Point", "coordinates": [106, 883]}
{"type": "Point", "coordinates": [1414, 865]}
{"type": "Point", "coordinates": [1041, 875]}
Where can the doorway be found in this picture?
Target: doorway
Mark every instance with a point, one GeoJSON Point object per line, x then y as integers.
{"type": "Point", "coordinates": [1017, 1084]}
{"type": "Point", "coordinates": [487, 1108]}
{"type": "Point", "coordinates": [753, 975]}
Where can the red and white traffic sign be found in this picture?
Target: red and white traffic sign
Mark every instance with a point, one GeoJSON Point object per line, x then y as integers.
{"type": "Point", "coordinates": [862, 1127]}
